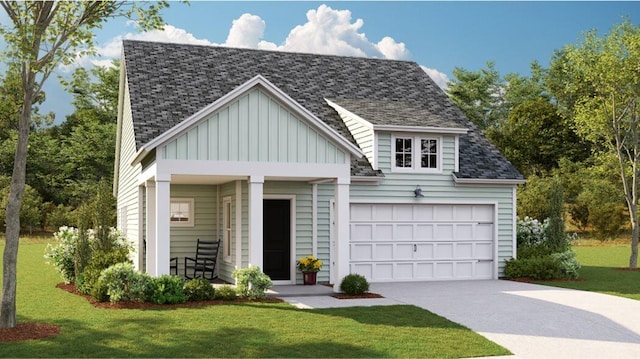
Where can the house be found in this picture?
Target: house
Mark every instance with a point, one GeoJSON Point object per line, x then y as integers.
{"type": "Point", "coordinates": [362, 162]}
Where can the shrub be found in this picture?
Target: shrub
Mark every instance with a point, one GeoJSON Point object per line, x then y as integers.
{"type": "Point", "coordinates": [198, 289]}
{"type": "Point", "coordinates": [121, 282]}
{"type": "Point", "coordinates": [607, 219]}
{"type": "Point", "coordinates": [99, 262]}
{"type": "Point", "coordinates": [537, 268]}
{"type": "Point", "coordinates": [570, 266]}
{"type": "Point", "coordinates": [168, 289]}
{"type": "Point", "coordinates": [354, 284]}
{"type": "Point", "coordinates": [225, 292]}
{"type": "Point", "coordinates": [61, 254]}
{"type": "Point", "coordinates": [251, 282]}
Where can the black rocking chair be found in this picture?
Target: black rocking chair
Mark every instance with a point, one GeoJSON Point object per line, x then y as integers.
{"type": "Point", "coordinates": [204, 263]}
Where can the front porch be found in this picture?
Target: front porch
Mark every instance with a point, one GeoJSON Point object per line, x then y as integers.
{"type": "Point", "coordinates": [265, 222]}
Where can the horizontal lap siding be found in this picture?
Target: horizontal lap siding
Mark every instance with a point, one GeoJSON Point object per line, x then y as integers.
{"type": "Point", "coordinates": [127, 191]}
{"type": "Point", "coordinates": [184, 239]}
{"type": "Point", "coordinates": [254, 128]}
{"type": "Point", "coordinates": [399, 187]}
{"type": "Point", "coordinates": [325, 195]}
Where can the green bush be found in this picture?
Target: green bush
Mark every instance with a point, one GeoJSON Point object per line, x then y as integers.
{"type": "Point", "coordinates": [225, 292]}
{"type": "Point", "coordinates": [99, 262]}
{"type": "Point", "coordinates": [570, 265]}
{"type": "Point", "coordinates": [251, 282]}
{"type": "Point", "coordinates": [198, 289]}
{"type": "Point", "coordinates": [121, 282]}
{"type": "Point", "coordinates": [537, 268]}
{"type": "Point", "coordinates": [354, 284]}
{"type": "Point", "coordinates": [168, 289]}
{"type": "Point", "coordinates": [607, 219]}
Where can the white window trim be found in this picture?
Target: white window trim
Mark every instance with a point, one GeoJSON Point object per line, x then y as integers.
{"type": "Point", "coordinates": [227, 233]}
{"type": "Point", "coordinates": [415, 153]}
{"type": "Point", "coordinates": [191, 221]}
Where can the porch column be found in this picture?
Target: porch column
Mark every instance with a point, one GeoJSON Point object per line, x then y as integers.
{"type": "Point", "coordinates": [150, 227]}
{"type": "Point", "coordinates": [256, 204]}
{"type": "Point", "coordinates": [163, 226]}
{"type": "Point", "coordinates": [341, 219]}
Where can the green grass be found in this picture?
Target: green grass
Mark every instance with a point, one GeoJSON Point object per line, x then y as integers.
{"type": "Point", "coordinates": [236, 330]}
{"type": "Point", "coordinates": [601, 271]}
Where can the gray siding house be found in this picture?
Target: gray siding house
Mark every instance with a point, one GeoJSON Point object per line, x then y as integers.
{"type": "Point", "coordinates": [363, 162]}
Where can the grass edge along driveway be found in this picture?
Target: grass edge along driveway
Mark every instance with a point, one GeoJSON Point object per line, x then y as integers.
{"type": "Point", "coordinates": [235, 330]}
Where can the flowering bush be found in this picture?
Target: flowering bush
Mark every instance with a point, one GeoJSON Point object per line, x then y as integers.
{"type": "Point", "coordinates": [309, 264]}
{"type": "Point", "coordinates": [62, 254]}
{"type": "Point", "coordinates": [251, 282]}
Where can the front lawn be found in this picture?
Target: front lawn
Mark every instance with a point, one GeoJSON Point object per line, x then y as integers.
{"type": "Point", "coordinates": [602, 271]}
{"type": "Point", "coordinates": [234, 330]}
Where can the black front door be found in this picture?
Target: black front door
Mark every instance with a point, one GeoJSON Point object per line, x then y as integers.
{"type": "Point", "coordinates": [277, 238]}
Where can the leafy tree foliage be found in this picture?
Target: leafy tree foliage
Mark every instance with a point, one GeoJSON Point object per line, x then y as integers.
{"type": "Point", "coordinates": [606, 104]}
{"type": "Point", "coordinates": [40, 36]}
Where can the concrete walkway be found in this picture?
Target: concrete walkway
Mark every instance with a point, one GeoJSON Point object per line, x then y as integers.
{"type": "Point", "coordinates": [532, 321]}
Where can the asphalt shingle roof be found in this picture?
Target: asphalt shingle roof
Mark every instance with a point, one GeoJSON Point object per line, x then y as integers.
{"type": "Point", "coordinates": [170, 82]}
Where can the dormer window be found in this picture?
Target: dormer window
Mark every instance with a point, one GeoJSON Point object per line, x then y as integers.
{"type": "Point", "coordinates": [416, 153]}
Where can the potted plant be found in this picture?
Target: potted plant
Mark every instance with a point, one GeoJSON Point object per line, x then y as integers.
{"type": "Point", "coordinates": [309, 266]}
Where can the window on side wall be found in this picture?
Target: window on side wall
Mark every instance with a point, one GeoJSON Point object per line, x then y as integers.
{"type": "Point", "coordinates": [182, 212]}
{"type": "Point", "coordinates": [416, 153]}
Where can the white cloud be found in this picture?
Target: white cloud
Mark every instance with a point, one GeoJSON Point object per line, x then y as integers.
{"type": "Point", "coordinates": [326, 31]}
{"type": "Point", "coordinates": [441, 79]}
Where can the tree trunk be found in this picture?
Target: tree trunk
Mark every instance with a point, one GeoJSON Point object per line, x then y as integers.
{"type": "Point", "coordinates": [635, 229]}
{"type": "Point", "coordinates": [8, 318]}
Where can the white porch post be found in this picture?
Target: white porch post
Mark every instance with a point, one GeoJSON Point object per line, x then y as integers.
{"type": "Point", "coordinates": [341, 230]}
{"type": "Point", "coordinates": [163, 226]}
{"type": "Point", "coordinates": [150, 227]}
{"type": "Point", "coordinates": [256, 184]}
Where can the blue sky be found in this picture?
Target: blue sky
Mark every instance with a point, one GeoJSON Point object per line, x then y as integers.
{"type": "Point", "coordinates": [437, 35]}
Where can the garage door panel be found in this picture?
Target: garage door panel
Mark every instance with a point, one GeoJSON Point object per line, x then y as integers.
{"type": "Point", "coordinates": [384, 252]}
{"type": "Point", "coordinates": [444, 232]}
{"type": "Point", "coordinates": [424, 251]}
{"type": "Point", "coordinates": [361, 232]}
{"type": "Point", "coordinates": [424, 232]}
{"type": "Point", "coordinates": [403, 252]}
{"type": "Point", "coordinates": [404, 232]}
{"type": "Point", "coordinates": [484, 232]}
{"type": "Point", "coordinates": [444, 250]}
{"type": "Point", "coordinates": [362, 252]}
{"type": "Point", "coordinates": [383, 232]}
{"type": "Point", "coordinates": [408, 242]}
{"type": "Point", "coordinates": [463, 251]}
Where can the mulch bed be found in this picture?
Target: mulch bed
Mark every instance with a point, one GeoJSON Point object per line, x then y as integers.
{"type": "Point", "coordinates": [629, 269]}
{"type": "Point", "coordinates": [356, 296]}
{"type": "Point", "coordinates": [146, 305]}
{"type": "Point", "coordinates": [28, 331]}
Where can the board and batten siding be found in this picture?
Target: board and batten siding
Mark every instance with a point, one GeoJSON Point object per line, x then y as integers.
{"type": "Point", "coordinates": [254, 128]}
{"type": "Point", "coordinates": [184, 239]}
{"type": "Point", "coordinates": [127, 191]}
{"type": "Point", "coordinates": [439, 187]}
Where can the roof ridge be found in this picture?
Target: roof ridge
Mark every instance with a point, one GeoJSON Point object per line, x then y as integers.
{"type": "Point", "coordinates": [265, 50]}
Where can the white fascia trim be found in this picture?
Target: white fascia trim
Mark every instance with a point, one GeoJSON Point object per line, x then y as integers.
{"type": "Point", "coordinates": [271, 89]}
{"type": "Point", "coordinates": [367, 179]}
{"type": "Point", "coordinates": [474, 181]}
{"type": "Point", "coordinates": [456, 150]}
{"type": "Point", "coordinates": [121, 90]}
{"type": "Point", "coordinates": [365, 200]}
{"type": "Point", "coordinates": [359, 119]}
{"type": "Point", "coordinates": [166, 168]}
{"type": "Point", "coordinates": [420, 129]}
{"type": "Point", "coordinates": [514, 232]}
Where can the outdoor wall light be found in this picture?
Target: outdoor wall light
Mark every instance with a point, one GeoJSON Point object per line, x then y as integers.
{"type": "Point", "coordinates": [418, 192]}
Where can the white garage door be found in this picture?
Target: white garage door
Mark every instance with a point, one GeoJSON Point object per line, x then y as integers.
{"type": "Point", "coordinates": [413, 242]}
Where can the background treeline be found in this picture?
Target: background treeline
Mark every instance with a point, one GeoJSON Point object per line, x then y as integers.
{"type": "Point", "coordinates": [69, 165]}
{"type": "Point", "coordinates": [575, 122]}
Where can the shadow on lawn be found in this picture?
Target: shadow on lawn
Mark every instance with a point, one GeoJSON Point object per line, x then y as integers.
{"type": "Point", "coordinates": [604, 279]}
{"type": "Point", "coordinates": [79, 340]}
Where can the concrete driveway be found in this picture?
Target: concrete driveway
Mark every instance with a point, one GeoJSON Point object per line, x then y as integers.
{"type": "Point", "coordinates": [532, 321]}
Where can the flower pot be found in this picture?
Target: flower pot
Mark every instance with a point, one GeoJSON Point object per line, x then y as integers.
{"type": "Point", "coordinates": [309, 278]}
